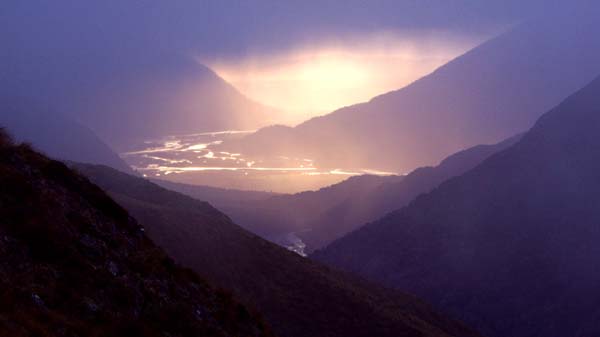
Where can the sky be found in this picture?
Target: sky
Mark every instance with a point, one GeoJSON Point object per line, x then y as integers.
{"type": "Point", "coordinates": [313, 79]}
{"type": "Point", "coordinates": [305, 57]}
{"type": "Point", "coordinates": [122, 59]}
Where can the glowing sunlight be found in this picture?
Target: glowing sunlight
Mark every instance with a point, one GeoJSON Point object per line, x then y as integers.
{"type": "Point", "coordinates": [318, 78]}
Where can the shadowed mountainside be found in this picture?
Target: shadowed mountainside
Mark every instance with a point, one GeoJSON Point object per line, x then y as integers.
{"type": "Point", "coordinates": [368, 205]}
{"type": "Point", "coordinates": [272, 216]}
{"type": "Point", "coordinates": [513, 242]}
{"type": "Point", "coordinates": [74, 263]}
{"type": "Point", "coordinates": [196, 98]}
{"type": "Point", "coordinates": [56, 135]}
{"type": "Point", "coordinates": [125, 100]}
{"type": "Point", "coordinates": [297, 296]}
{"type": "Point", "coordinates": [488, 94]}
{"type": "Point", "coordinates": [320, 217]}
{"type": "Point", "coordinates": [216, 196]}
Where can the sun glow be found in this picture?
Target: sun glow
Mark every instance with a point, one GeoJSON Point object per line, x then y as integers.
{"type": "Point", "coordinates": [319, 78]}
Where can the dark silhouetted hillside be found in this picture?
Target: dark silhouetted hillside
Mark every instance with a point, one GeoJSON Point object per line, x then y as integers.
{"type": "Point", "coordinates": [370, 204]}
{"type": "Point", "coordinates": [74, 263]}
{"type": "Point", "coordinates": [216, 196]}
{"type": "Point", "coordinates": [320, 217]}
{"type": "Point", "coordinates": [513, 243]}
{"type": "Point", "coordinates": [303, 213]}
{"type": "Point", "coordinates": [297, 296]}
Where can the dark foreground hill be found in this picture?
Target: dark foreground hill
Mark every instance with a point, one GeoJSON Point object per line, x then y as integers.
{"type": "Point", "coordinates": [74, 263]}
{"type": "Point", "coordinates": [513, 243]}
{"type": "Point", "coordinates": [298, 297]}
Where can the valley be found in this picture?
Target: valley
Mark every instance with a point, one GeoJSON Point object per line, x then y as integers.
{"type": "Point", "coordinates": [263, 168]}
{"type": "Point", "coordinates": [197, 159]}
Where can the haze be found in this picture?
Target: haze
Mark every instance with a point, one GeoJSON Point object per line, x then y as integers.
{"type": "Point", "coordinates": [311, 80]}
{"type": "Point", "coordinates": [272, 168]}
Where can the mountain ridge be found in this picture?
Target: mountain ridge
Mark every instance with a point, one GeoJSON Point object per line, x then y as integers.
{"type": "Point", "coordinates": [511, 240]}
{"type": "Point", "coordinates": [297, 296]}
{"type": "Point", "coordinates": [491, 92]}
{"type": "Point", "coordinates": [55, 134]}
{"type": "Point", "coordinates": [75, 263]}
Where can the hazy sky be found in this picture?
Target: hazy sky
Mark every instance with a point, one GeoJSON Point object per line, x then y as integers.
{"type": "Point", "coordinates": [225, 27]}
{"type": "Point", "coordinates": [312, 79]}
{"type": "Point", "coordinates": [307, 55]}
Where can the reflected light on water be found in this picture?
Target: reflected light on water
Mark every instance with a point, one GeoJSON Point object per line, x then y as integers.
{"type": "Point", "coordinates": [193, 159]}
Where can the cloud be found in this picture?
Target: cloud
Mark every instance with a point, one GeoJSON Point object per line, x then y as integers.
{"type": "Point", "coordinates": [319, 77]}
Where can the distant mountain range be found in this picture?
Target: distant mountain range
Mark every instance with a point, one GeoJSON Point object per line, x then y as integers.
{"type": "Point", "coordinates": [488, 94]}
{"type": "Point", "coordinates": [297, 296]}
{"type": "Point", "coordinates": [215, 195]}
{"type": "Point", "coordinates": [74, 263]}
{"type": "Point", "coordinates": [172, 95]}
{"type": "Point", "coordinates": [130, 97]}
{"type": "Point", "coordinates": [354, 209]}
{"type": "Point", "coordinates": [511, 246]}
{"type": "Point", "coordinates": [320, 217]}
{"type": "Point", "coordinates": [56, 135]}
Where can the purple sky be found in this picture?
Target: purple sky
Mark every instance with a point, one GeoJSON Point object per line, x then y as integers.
{"type": "Point", "coordinates": [70, 43]}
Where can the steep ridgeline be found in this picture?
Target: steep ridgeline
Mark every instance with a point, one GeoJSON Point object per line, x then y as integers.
{"type": "Point", "coordinates": [120, 86]}
{"type": "Point", "coordinates": [56, 135]}
{"type": "Point", "coordinates": [488, 94]}
{"type": "Point", "coordinates": [249, 209]}
{"type": "Point", "coordinates": [197, 99]}
{"type": "Point", "coordinates": [354, 211]}
{"type": "Point", "coordinates": [74, 263]}
{"type": "Point", "coordinates": [272, 216]}
{"type": "Point", "coordinates": [511, 246]}
{"type": "Point", "coordinates": [215, 195]}
{"type": "Point", "coordinates": [297, 296]}
{"type": "Point", "coordinates": [322, 216]}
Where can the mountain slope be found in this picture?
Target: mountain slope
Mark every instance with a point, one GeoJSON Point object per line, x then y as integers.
{"type": "Point", "coordinates": [195, 97]}
{"type": "Point", "coordinates": [368, 205]}
{"type": "Point", "coordinates": [320, 217]}
{"type": "Point", "coordinates": [274, 216]}
{"type": "Point", "coordinates": [214, 195]}
{"type": "Point", "coordinates": [74, 263]}
{"type": "Point", "coordinates": [297, 296]}
{"type": "Point", "coordinates": [128, 100]}
{"type": "Point", "coordinates": [56, 135]}
{"type": "Point", "coordinates": [100, 69]}
{"type": "Point", "coordinates": [488, 94]}
{"type": "Point", "coordinates": [513, 242]}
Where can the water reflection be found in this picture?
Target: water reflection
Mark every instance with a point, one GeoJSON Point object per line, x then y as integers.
{"type": "Point", "coordinates": [194, 159]}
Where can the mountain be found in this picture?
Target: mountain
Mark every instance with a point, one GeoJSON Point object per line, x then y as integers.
{"type": "Point", "coordinates": [512, 243]}
{"type": "Point", "coordinates": [249, 209]}
{"type": "Point", "coordinates": [301, 221]}
{"type": "Point", "coordinates": [365, 205]}
{"type": "Point", "coordinates": [488, 94]}
{"type": "Point", "coordinates": [125, 102]}
{"type": "Point", "coordinates": [125, 92]}
{"type": "Point", "coordinates": [169, 95]}
{"type": "Point", "coordinates": [319, 217]}
{"type": "Point", "coordinates": [297, 296]}
{"type": "Point", "coordinates": [74, 263]}
{"type": "Point", "coordinates": [56, 135]}
{"type": "Point", "coordinates": [273, 216]}
{"type": "Point", "coordinates": [214, 195]}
